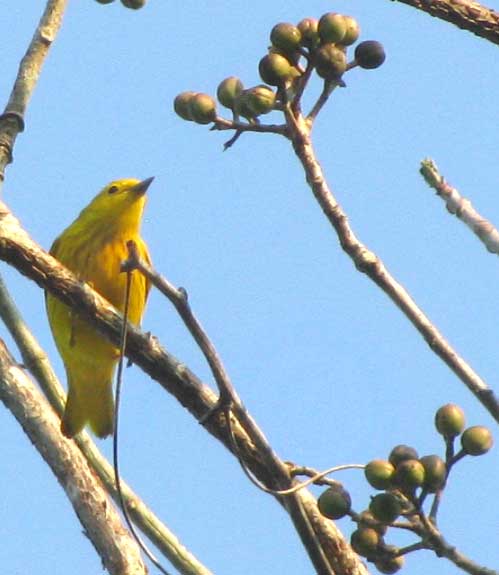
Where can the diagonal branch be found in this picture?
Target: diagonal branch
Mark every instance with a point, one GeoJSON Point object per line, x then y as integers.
{"type": "Point", "coordinates": [329, 551]}
{"type": "Point", "coordinates": [118, 551]}
{"type": "Point", "coordinates": [38, 365]}
{"type": "Point", "coordinates": [370, 264]}
{"type": "Point", "coordinates": [12, 119]}
{"type": "Point", "coordinates": [461, 207]}
{"type": "Point", "coordinates": [465, 14]}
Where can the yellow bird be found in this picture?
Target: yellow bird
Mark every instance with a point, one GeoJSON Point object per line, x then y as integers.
{"type": "Point", "coordinates": [93, 248]}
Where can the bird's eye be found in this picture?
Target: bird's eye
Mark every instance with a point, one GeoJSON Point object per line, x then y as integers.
{"type": "Point", "coordinates": [112, 190]}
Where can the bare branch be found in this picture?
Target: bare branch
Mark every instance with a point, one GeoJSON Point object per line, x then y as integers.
{"type": "Point", "coordinates": [102, 524]}
{"type": "Point", "coordinates": [465, 14]}
{"type": "Point", "coordinates": [370, 264]}
{"type": "Point", "coordinates": [35, 359]}
{"type": "Point", "coordinates": [325, 544]}
{"type": "Point", "coordinates": [460, 207]}
{"type": "Point", "coordinates": [12, 119]}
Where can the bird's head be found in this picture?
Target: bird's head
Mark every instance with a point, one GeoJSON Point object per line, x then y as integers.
{"type": "Point", "coordinates": [120, 204]}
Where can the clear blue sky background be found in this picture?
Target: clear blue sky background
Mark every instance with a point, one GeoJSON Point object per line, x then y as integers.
{"type": "Point", "coordinates": [327, 365]}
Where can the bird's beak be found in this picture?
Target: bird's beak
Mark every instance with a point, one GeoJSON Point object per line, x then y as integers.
{"type": "Point", "coordinates": [141, 188]}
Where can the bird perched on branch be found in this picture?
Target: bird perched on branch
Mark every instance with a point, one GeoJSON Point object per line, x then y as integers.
{"type": "Point", "coordinates": [93, 247]}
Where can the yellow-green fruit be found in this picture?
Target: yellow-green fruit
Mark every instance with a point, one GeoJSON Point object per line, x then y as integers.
{"type": "Point", "coordinates": [181, 105]}
{"type": "Point", "coordinates": [203, 108]}
{"type": "Point", "coordinates": [309, 29]}
{"type": "Point", "coordinates": [275, 69]}
{"type": "Point", "coordinates": [352, 31]}
{"type": "Point", "coordinates": [241, 107]}
{"type": "Point", "coordinates": [409, 474]}
{"type": "Point", "coordinates": [379, 473]}
{"type": "Point", "coordinates": [335, 502]}
{"type": "Point", "coordinates": [435, 472]}
{"type": "Point", "coordinates": [476, 440]}
{"type": "Point", "coordinates": [389, 565]}
{"type": "Point", "coordinates": [450, 420]}
{"type": "Point", "coordinates": [228, 90]}
{"type": "Point", "coordinates": [385, 507]}
{"type": "Point", "coordinates": [330, 62]}
{"type": "Point", "coordinates": [134, 4]}
{"type": "Point", "coordinates": [401, 453]}
{"type": "Point", "coordinates": [332, 28]}
{"type": "Point", "coordinates": [365, 541]}
{"type": "Point", "coordinates": [260, 100]}
{"type": "Point", "coordinates": [286, 37]}
{"type": "Point", "coordinates": [366, 519]}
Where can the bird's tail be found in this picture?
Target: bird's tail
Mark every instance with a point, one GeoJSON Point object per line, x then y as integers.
{"type": "Point", "coordinates": [89, 404]}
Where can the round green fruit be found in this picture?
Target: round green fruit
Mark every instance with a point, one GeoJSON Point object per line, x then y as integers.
{"type": "Point", "coordinates": [309, 30]}
{"type": "Point", "coordinates": [365, 541]}
{"type": "Point", "coordinates": [476, 440]}
{"type": "Point", "coordinates": [286, 37]}
{"type": "Point", "coordinates": [379, 473]}
{"type": "Point", "coordinates": [133, 4]}
{"type": "Point", "coordinates": [366, 519]}
{"type": "Point", "coordinates": [385, 507]}
{"type": "Point", "coordinates": [352, 31]}
{"type": "Point", "coordinates": [105, 1]}
{"type": "Point", "coordinates": [228, 90]}
{"type": "Point", "coordinates": [332, 28]}
{"type": "Point", "coordinates": [370, 54]}
{"type": "Point", "coordinates": [330, 62]}
{"type": "Point", "coordinates": [260, 100]}
{"type": "Point", "coordinates": [389, 565]}
{"type": "Point", "coordinates": [435, 472]}
{"type": "Point", "coordinates": [275, 69]}
{"type": "Point", "coordinates": [450, 420]}
{"type": "Point", "coordinates": [409, 474]}
{"type": "Point", "coordinates": [203, 108]}
{"type": "Point", "coordinates": [335, 502]}
{"type": "Point", "coordinates": [402, 452]}
{"type": "Point", "coordinates": [181, 105]}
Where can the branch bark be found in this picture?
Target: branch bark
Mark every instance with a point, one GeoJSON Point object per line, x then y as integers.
{"type": "Point", "coordinates": [117, 549]}
{"type": "Point", "coordinates": [12, 119]}
{"type": "Point", "coordinates": [464, 14]}
{"type": "Point", "coordinates": [329, 551]}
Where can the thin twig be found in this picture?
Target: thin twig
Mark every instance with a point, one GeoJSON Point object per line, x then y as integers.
{"type": "Point", "coordinates": [224, 124]}
{"type": "Point", "coordinates": [327, 90]}
{"type": "Point", "coordinates": [370, 264]}
{"type": "Point", "coordinates": [460, 207]}
{"type": "Point", "coordinates": [12, 119]}
{"type": "Point", "coordinates": [116, 459]}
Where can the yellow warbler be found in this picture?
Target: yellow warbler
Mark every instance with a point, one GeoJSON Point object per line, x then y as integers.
{"type": "Point", "coordinates": [93, 248]}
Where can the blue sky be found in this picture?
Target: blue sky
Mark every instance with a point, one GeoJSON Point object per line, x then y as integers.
{"type": "Point", "coordinates": [327, 365]}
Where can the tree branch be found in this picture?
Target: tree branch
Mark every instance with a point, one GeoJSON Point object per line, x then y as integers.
{"type": "Point", "coordinates": [333, 554]}
{"type": "Point", "coordinates": [465, 14]}
{"type": "Point", "coordinates": [461, 207]}
{"type": "Point", "coordinates": [370, 264]}
{"type": "Point", "coordinates": [37, 363]}
{"type": "Point", "coordinates": [12, 119]}
{"type": "Point", "coordinates": [102, 524]}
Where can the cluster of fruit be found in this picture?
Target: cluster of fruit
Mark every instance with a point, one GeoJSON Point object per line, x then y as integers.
{"type": "Point", "coordinates": [133, 4]}
{"type": "Point", "coordinates": [405, 479]}
{"type": "Point", "coordinates": [295, 51]}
